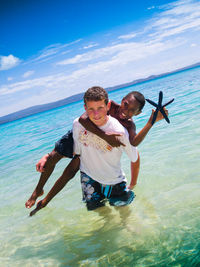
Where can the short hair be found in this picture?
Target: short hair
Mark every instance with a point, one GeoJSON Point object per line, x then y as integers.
{"type": "Point", "coordinates": [96, 93]}
{"type": "Point", "coordinates": [139, 97]}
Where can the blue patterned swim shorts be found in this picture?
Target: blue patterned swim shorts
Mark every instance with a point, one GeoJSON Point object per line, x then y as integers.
{"type": "Point", "coordinates": [95, 194]}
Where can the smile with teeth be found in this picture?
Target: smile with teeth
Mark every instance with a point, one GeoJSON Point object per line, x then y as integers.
{"type": "Point", "coordinates": [123, 115]}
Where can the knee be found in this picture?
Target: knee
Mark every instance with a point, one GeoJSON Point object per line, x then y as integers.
{"type": "Point", "coordinates": [53, 158]}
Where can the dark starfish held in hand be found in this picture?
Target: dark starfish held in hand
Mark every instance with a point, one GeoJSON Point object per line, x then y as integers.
{"type": "Point", "coordinates": [159, 107]}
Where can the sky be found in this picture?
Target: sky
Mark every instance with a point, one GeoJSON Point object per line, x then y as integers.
{"type": "Point", "coordinates": [52, 49]}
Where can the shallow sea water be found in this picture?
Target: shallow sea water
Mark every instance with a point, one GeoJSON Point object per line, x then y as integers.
{"type": "Point", "coordinates": [160, 228]}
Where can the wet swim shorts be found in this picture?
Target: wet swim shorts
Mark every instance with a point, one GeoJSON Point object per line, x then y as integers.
{"type": "Point", "coordinates": [95, 194]}
{"type": "Point", "coordinates": [64, 146]}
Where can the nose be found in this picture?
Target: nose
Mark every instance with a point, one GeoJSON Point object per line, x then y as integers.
{"type": "Point", "coordinates": [95, 114]}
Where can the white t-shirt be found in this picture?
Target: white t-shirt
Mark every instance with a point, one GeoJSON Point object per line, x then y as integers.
{"type": "Point", "coordinates": [97, 158]}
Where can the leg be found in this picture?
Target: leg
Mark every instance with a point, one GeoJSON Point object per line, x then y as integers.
{"type": "Point", "coordinates": [49, 167]}
{"type": "Point", "coordinates": [67, 175]}
{"type": "Point", "coordinates": [120, 195]}
{"type": "Point", "coordinates": [91, 192]}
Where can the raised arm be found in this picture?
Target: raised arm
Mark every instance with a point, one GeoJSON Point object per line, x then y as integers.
{"type": "Point", "coordinates": [111, 139]}
{"type": "Point", "coordinates": [136, 139]}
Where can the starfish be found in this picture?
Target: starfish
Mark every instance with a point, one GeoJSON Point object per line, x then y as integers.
{"type": "Point", "coordinates": [159, 107]}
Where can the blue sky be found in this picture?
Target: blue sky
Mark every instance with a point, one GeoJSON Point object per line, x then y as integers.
{"type": "Point", "coordinates": [50, 50]}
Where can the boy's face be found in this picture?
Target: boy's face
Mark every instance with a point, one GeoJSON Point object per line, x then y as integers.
{"type": "Point", "coordinates": [129, 107]}
{"type": "Point", "coordinates": [97, 111]}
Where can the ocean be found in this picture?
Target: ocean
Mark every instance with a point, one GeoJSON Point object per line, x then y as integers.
{"type": "Point", "coordinates": [160, 228]}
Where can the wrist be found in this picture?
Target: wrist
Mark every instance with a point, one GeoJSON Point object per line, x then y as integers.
{"type": "Point", "coordinates": [104, 135]}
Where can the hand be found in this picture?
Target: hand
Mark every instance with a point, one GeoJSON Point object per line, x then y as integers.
{"type": "Point", "coordinates": [40, 205]}
{"type": "Point", "coordinates": [40, 166]}
{"type": "Point", "coordinates": [159, 116]}
{"type": "Point", "coordinates": [112, 140]}
{"type": "Point", "coordinates": [131, 186]}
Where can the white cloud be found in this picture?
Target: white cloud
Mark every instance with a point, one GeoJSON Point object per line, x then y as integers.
{"type": "Point", "coordinates": [151, 7]}
{"type": "Point", "coordinates": [114, 58]}
{"type": "Point", "coordinates": [127, 36]}
{"type": "Point", "coordinates": [177, 18]}
{"type": "Point", "coordinates": [92, 55]}
{"type": "Point", "coordinates": [28, 74]}
{"type": "Point", "coordinates": [193, 25]}
{"type": "Point", "coordinates": [52, 50]}
{"type": "Point", "coordinates": [90, 46]}
{"type": "Point", "coordinates": [10, 78]}
{"type": "Point", "coordinates": [160, 48]}
{"type": "Point", "coordinates": [8, 62]}
{"type": "Point", "coordinates": [124, 52]}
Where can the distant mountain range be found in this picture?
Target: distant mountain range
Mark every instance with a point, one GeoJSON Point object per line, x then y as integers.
{"type": "Point", "coordinates": [74, 98]}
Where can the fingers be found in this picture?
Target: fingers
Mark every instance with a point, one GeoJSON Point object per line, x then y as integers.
{"type": "Point", "coordinates": [114, 134]}
{"type": "Point", "coordinates": [131, 187]}
{"type": "Point", "coordinates": [122, 144]}
{"type": "Point", "coordinates": [166, 111]}
{"type": "Point", "coordinates": [118, 143]}
{"type": "Point", "coordinates": [39, 168]}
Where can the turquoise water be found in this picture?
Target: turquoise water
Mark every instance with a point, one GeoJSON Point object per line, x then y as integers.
{"type": "Point", "coordinates": [160, 228]}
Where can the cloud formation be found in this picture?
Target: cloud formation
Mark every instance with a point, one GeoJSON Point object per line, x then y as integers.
{"type": "Point", "coordinates": [70, 68]}
{"type": "Point", "coordinates": [8, 62]}
{"type": "Point", "coordinates": [28, 73]}
{"type": "Point", "coordinates": [127, 36]}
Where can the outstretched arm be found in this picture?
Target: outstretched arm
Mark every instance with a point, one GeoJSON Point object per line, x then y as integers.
{"type": "Point", "coordinates": [136, 139]}
{"type": "Point", "coordinates": [111, 139]}
{"type": "Point", "coordinates": [67, 175]}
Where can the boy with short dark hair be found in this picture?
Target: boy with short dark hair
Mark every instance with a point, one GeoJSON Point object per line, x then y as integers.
{"type": "Point", "coordinates": [101, 174]}
{"type": "Point", "coordinates": [131, 105]}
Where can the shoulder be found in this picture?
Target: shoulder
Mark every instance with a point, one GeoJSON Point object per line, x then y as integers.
{"type": "Point", "coordinates": [113, 103]}
{"type": "Point", "coordinates": [113, 108]}
{"type": "Point", "coordinates": [76, 123]}
{"type": "Point", "coordinates": [116, 125]}
{"type": "Point", "coordinates": [128, 123]}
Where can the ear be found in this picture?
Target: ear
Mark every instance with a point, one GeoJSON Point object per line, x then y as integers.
{"type": "Point", "coordinates": [85, 107]}
{"type": "Point", "coordinates": [138, 112]}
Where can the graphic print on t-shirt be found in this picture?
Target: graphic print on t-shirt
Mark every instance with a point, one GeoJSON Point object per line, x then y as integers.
{"type": "Point", "coordinates": [90, 139]}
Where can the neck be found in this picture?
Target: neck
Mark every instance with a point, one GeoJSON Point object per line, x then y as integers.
{"type": "Point", "coordinates": [105, 121]}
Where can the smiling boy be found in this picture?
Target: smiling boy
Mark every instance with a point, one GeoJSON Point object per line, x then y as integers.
{"type": "Point", "coordinates": [131, 105]}
{"type": "Point", "coordinates": [101, 174]}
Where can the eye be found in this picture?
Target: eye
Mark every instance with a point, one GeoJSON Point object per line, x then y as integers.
{"type": "Point", "coordinates": [125, 104]}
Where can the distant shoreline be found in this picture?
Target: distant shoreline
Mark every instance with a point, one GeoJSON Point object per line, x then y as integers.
{"type": "Point", "coordinates": [74, 98]}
